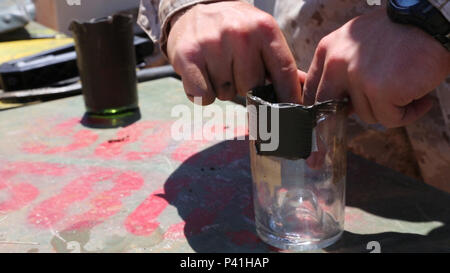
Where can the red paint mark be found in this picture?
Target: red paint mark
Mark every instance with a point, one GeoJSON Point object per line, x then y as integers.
{"type": "Point", "coordinates": [65, 128]}
{"type": "Point", "coordinates": [109, 202]}
{"type": "Point", "coordinates": [80, 139]}
{"type": "Point", "coordinates": [175, 231]}
{"type": "Point", "coordinates": [37, 168]}
{"type": "Point", "coordinates": [188, 149]}
{"type": "Point", "coordinates": [199, 219]}
{"type": "Point", "coordinates": [157, 137]}
{"type": "Point", "coordinates": [153, 144]}
{"type": "Point", "coordinates": [23, 193]}
{"type": "Point", "coordinates": [351, 216]}
{"type": "Point", "coordinates": [243, 237]}
{"type": "Point", "coordinates": [215, 200]}
{"type": "Point", "coordinates": [130, 134]}
{"type": "Point", "coordinates": [144, 220]}
{"type": "Point", "coordinates": [20, 195]}
{"type": "Point", "coordinates": [104, 205]}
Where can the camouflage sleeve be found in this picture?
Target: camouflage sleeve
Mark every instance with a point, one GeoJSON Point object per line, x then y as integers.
{"type": "Point", "coordinates": [154, 15]}
{"type": "Point", "coordinates": [443, 6]}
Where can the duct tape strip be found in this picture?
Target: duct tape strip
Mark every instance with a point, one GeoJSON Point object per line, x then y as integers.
{"type": "Point", "coordinates": [284, 129]}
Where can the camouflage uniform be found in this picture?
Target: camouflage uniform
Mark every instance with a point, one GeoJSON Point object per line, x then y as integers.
{"type": "Point", "coordinates": [304, 23]}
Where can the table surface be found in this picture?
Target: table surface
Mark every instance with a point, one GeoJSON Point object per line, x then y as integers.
{"type": "Point", "coordinates": [68, 188]}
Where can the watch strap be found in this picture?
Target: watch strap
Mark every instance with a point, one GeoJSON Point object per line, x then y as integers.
{"type": "Point", "coordinates": [443, 6]}
{"type": "Point", "coordinates": [425, 16]}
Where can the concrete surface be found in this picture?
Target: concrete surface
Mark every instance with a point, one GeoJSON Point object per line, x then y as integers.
{"type": "Point", "coordinates": [68, 188]}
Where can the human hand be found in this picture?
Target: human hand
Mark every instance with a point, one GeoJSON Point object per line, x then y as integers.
{"type": "Point", "coordinates": [226, 48]}
{"type": "Point", "coordinates": [386, 69]}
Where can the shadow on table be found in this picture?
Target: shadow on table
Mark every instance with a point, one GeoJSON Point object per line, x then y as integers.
{"type": "Point", "coordinates": [385, 193]}
{"type": "Point", "coordinates": [212, 193]}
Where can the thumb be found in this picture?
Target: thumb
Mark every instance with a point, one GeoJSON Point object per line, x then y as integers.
{"type": "Point", "coordinates": [313, 77]}
{"type": "Point", "coordinates": [281, 67]}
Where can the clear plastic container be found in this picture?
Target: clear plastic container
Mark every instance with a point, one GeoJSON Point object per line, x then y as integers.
{"type": "Point", "coordinates": [300, 203]}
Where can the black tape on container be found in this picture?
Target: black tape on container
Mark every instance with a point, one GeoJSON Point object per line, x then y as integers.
{"type": "Point", "coordinates": [296, 123]}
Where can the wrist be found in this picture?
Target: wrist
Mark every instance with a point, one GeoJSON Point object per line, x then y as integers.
{"type": "Point", "coordinates": [171, 17]}
{"type": "Point", "coordinates": [177, 16]}
{"type": "Point", "coordinates": [421, 14]}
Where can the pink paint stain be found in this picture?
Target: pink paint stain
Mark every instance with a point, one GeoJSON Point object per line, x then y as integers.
{"type": "Point", "coordinates": [351, 216]}
{"type": "Point", "coordinates": [108, 203]}
{"type": "Point", "coordinates": [144, 220]}
{"type": "Point", "coordinates": [157, 137]}
{"type": "Point", "coordinates": [79, 139]}
{"type": "Point", "coordinates": [52, 211]}
{"type": "Point", "coordinates": [216, 199]}
{"type": "Point", "coordinates": [153, 144]}
{"type": "Point", "coordinates": [175, 231]}
{"type": "Point", "coordinates": [188, 149]}
{"type": "Point", "coordinates": [23, 193]}
{"type": "Point", "coordinates": [125, 136]}
{"type": "Point", "coordinates": [37, 168]}
{"type": "Point", "coordinates": [243, 237]}
{"type": "Point", "coordinates": [199, 219]}
{"type": "Point", "coordinates": [20, 195]}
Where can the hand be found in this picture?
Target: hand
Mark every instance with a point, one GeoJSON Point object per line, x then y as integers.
{"type": "Point", "coordinates": [227, 48]}
{"type": "Point", "coordinates": [386, 69]}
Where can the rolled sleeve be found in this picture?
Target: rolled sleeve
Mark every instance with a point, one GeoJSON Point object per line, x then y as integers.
{"type": "Point", "coordinates": [154, 15]}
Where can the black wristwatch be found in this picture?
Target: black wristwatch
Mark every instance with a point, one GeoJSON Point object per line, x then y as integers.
{"type": "Point", "coordinates": [422, 14]}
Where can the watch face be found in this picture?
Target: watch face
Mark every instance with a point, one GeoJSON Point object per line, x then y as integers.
{"type": "Point", "coordinates": [406, 3]}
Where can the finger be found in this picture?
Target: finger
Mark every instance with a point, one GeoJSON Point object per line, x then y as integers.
{"type": "Point", "coordinates": [392, 116]}
{"type": "Point", "coordinates": [197, 85]}
{"type": "Point", "coordinates": [313, 77]}
{"type": "Point", "coordinates": [188, 62]}
{"type": "Point", "coordinates": [333, 86]}
{"type": "Point", "coordinates": [416, 110]}
{"type": "Point", "coordinates": [219, 63]}
{"type": "Point", "coordinates": [397, 116]}
{"type": "Point", "coordinates": [281, 67]}
{"type": "Point", "coordinates": [360, 104]}
{"type": "Point", "coordinates": [301, 77]}
{"type": "Point", "coordinates": [248, 70]}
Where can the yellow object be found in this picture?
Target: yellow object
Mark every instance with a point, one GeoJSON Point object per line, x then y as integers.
{"type": "Point", "coordinates": [19, 49]}
{"type": "Point", "coordinates": [5, 106]}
